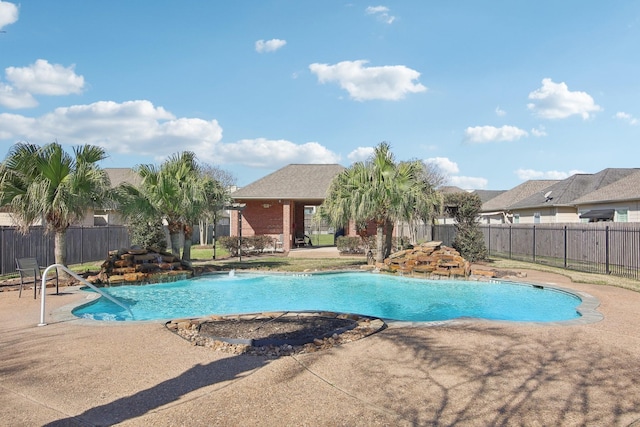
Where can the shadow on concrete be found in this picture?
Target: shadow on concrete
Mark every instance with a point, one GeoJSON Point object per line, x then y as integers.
{"type": "Point", "coordinates": [164, 393]}
{"type": "Point", "coordinates": [480, 375]}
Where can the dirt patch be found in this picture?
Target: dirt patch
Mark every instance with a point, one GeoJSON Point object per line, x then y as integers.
{"type": "Point", "coordinates": [275, 334]}
{"type": "Point", "coordinates": [277, 331]}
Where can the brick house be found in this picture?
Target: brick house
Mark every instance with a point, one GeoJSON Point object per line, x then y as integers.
{"type": "Point", "coordinates": [275, 205]}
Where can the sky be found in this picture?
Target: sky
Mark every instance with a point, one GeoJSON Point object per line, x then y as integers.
{"type": "Point", "coordinates": [492, 93]}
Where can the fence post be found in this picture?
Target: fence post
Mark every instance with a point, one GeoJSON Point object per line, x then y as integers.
{"type": "Point", "coordinates": [606, 249]}
{"type": "Point", "coordinates": [565, 246]}
{"type": "Point", "coordinates": [534, 243]}
{"type": "Point", "coordinates": [510, 237]}
{"type": "Point", "coordinates": [489, 249]}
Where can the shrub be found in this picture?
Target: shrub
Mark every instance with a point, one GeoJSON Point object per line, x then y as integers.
{"type": "Point", "coordinates": [469, 241]}
{"type": "Point", "coordinates": [148, 235]}
{"type": "Point", "coordinates": [350, 244]}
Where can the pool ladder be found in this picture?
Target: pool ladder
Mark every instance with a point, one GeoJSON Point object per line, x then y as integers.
{"type": "Point", "coordinates": [81, 279]}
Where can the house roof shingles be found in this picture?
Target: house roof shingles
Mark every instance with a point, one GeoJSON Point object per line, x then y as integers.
{"type": "Point", "coordinates": [627, 188]}
{"type": "Point", "coordinates": [293, 182]}
{"type": "Point", "coordinates": [565, 192]}
{"type": "Point", "coordinates": [505, 200]}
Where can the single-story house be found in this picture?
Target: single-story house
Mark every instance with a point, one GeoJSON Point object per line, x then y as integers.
{"type": "Point", "coordinates": [497, 209]}
{"type": "Point", "coordinates": [557, 203]}
{"type": "Point", "coordinates": [618, 201]}
{"type": "Point", "coordinates": [275, 205]}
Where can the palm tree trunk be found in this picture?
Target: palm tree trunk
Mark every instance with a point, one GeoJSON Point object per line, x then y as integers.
{"type": "Point", "coordinates": [60, 247]}
{"type": "Point", "coordinates": [174, 235]}
{"type": "Point", "coordinates": [380, 242]}
{"type": "Point", "coordinates": [186, 250]}
{"type": "Point", "coordinates": [388, 237]}
{"type": "Point", "coordinates": [60, 251]}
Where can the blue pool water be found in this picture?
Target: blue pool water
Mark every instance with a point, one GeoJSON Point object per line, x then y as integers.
{"type": "Point", "coordinates": [378, 295]}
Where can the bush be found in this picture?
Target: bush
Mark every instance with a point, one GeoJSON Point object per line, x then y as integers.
{"type": "Point", "coordinates": [148, 235]}
{"type": "Point", "coordinates": [350, 245]}
{"type": "Point", "coordinates": [469, 240]}
{"type": "Point", "coordinates": [255, 243]}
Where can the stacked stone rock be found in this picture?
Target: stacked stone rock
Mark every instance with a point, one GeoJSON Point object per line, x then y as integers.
{"type": "Point", "coordinates": [430, 259]}
{"type": "Point", "coordinates": [140, 266]}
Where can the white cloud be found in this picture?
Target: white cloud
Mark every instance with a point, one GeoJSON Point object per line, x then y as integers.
{"type": "Point", "coordinates": [526, 174]}
{"type": "Point", "coordinates": [444, 164]}
{"type": "Point", "coordinates": [480, 134]}
{"type": "Point", "coordinates": [555, 101]}
{"type": "Point", "coordinates": [14, 99]}
{"type": "Point", "coordinates": [381, 13]}
{"type": "Point", "coordinates": [265, 153]}
{"type": "Point", "coordinates": [539, 131]}
{"type": "Point", "coordinates": [360, 154]}
{"type": "Point", "coordinates": [391, 82]}
{"type": "Point", "coordinates": [269, 45]}
{"type": "Point", "coordinates": [500, 112]}
{"type": "Point", "coordinates": [469, 182]}
{"type": "Point", "coordinates": [42, 78]}
{"type": "Point", "coordinates": [39, 78]}
{"type": "Point", "coordinates": [8, 13]}
{"type": "Point", "coordinates": [626, 117]}
{"type": "Point", "coordinates": [140, 128]}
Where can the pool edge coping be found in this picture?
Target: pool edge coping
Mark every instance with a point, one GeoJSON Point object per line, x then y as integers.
{"type": "Point", "coordinates": [587, 308]}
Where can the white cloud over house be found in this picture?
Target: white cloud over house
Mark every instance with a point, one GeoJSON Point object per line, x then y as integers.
{"type": "Point", "coordinates": [140, 128]}
{"type": "Point", "coordinates": [527, 174]}
{"type": "Point", "coordinates": [482, 134]}
{"type": "Point", "coordinates": [360, 154]}
{"type": "Point", "coordinates": [556, 101]}
{"type": "Point", "coordinates": [264, 46]}
{"type": "Point", "coordinates": [450, 169]}
{"type": "Point", "coordinates": [444, 164]}
{"type": "Point", "coordinates": [390, 82]}
{"type": "Point", "coordinates": [39, 78]}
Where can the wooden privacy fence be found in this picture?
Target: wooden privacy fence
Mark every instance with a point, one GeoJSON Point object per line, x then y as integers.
{"type": "Point", "coordinates": [603, 247]}
{"type": "Point", "coordinates": [84, 244]}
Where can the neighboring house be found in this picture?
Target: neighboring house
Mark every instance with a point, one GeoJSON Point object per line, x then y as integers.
{"type": "Point", "coordinates": [275, 205]}
{"type": "Point", "coordinates": [110, 216]}
{"type": "Point", "coordinates": [618, 201]}
{"type": "Point", "coordinates": [485, 196]}
{"type": "Point", "coordinates": [497, 209]}
{"type": "Point", "coordinates": [557, 203]}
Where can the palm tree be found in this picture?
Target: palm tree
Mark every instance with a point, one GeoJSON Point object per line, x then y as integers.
{"type": "Point", "coordinates": [382, 191]}
{"type": "Point", "coordinates": [49, 185]}
{"type": "Point", "coordinates": [177, 191]}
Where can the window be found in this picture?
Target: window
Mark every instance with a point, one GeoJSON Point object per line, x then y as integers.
{"type": "Point", "coordinates": [516, 218]}
{"type": "Point", "coordinates": [536, 218]}
{"type": "Point", "coordinates": [622, 215]}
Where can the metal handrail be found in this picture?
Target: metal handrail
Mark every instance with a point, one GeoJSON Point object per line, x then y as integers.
{"type": "Point", "coordinates": [81, 279]}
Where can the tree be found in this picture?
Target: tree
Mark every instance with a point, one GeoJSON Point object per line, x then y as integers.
{"type": "Point", "coordinates": [464, 208]}
{"type": "Point", "coordinates": [225, 180]}
{"type": "Point", "coordinates": [49, 185]}
{"type": "Point", "coordinates": [177, 191]}
{"type": "Point", "coordinates": [382, 191]}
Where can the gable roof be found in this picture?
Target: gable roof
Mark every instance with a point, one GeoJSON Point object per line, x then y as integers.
{"type": "Point", "coordinates": [505, 200]}
{"type": "Point", "coordinates": [565, 192]}
{"type": "Point", "coordinates": [119, 175]}
{"type": "Point", "coordinates": [486, 195]}
{"type": "Point", "coordinates": [627, 188]}
{"type": "Point", "coordinates": [293, 182]}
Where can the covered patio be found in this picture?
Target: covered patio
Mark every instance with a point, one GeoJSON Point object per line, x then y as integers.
{"type": "Point", "coordinates": [275, 205]}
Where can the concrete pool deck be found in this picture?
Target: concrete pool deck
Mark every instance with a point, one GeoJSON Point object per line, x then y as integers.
{"type": "Point", "coordinates": [471, 372]}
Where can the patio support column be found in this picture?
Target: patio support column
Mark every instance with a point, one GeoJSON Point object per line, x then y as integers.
{"type": "Point", "coordinates": [287, 224]}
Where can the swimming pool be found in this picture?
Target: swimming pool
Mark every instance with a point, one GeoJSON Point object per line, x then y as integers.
{"type": "Point", "coordinates": [376, 295]}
